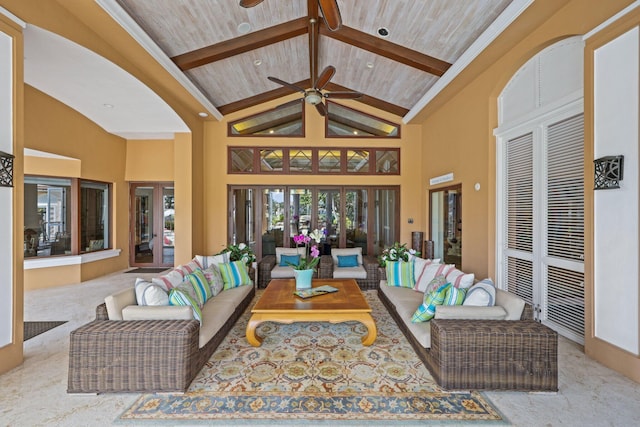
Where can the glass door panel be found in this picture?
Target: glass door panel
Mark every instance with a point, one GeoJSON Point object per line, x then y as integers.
{"type": "Point", "coordinates": [168, 225]}
{"type": "Point", "coordinates": [272, 220]}
{"type": "Point", "coordinates": [386, 223]}
{"type": "Point", "coordinates": [446, 224]}
{"type": "Point", "coordinates": [356, 219]}
{"type": "Point", "coordinates": [243, 218]}
{"type": "Point", "coordinates": [143, 225]}
{"type": "Point", "coordinates": [329, 215]}
{"type": "Point", "coordinates": [300, 201]}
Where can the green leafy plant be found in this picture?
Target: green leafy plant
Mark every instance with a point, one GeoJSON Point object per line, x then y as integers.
{"type": "Point", "coordinates": [397, 252]}
{"type": "Point", "coordinates": [240, 252]}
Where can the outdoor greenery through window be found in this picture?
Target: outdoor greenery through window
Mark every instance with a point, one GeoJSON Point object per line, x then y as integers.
{"type": "Point", "coordinates": [49, 228]}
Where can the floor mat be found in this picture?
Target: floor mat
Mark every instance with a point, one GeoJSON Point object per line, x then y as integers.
{"type": "Point", "coordinates": [148, 270]}
{"type": "Point", "coordinates": [32, 329]}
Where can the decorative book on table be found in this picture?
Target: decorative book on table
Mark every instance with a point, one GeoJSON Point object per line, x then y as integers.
{"type": "Point", "coordinates": [313, 292]}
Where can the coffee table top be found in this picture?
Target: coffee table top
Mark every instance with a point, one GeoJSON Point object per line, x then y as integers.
{"type": "Point", "coordinates": [279, 297]}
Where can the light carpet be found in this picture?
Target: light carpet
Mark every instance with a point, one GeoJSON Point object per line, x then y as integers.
{"type": "Point", "coordinates": [315, 371]}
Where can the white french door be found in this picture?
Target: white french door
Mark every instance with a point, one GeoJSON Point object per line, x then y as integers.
{"type": "Point", "coordinates": [540, 221]}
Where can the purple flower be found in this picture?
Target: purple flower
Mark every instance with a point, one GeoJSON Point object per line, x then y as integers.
{"type": "Point", "coordinates": [314, 251]}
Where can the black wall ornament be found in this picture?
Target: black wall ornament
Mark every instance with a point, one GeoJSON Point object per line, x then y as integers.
{"type": "Point", "coordinates": [6, 169]}
{"type": "Point", "coordinates": [608, 172]}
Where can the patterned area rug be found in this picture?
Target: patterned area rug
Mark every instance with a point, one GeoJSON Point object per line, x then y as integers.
{"type": "Point", "coordinates": [315, 371]}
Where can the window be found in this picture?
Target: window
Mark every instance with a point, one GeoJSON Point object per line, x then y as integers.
{"type": "Point", "coordinates": [345, 122]}
{"type": "Point", "coordinates": [284, 120]}
{"type": "Point", "coordinates": [49, 228]}
{"type": "Point", "coordinates": [313, 160]}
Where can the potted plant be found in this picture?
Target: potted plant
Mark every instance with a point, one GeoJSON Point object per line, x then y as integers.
{"type": "Point", "coordinates": [303, 271]}
{"type": "Point", "coordinates": [397, 252]}
{"type": "Point", "coordinates": [240, 252]}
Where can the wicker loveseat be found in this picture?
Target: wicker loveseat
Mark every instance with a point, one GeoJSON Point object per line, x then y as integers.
{"type": "Point", "coordinates": [150, 355]}
{"type": "Point", "coordinates": [479, 354]}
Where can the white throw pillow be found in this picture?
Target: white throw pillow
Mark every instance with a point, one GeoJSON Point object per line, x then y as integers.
{"type": "Point", "coordinates": [169, 280]}
{"type": "Point", "coordinates": [214, 277]}
{"type": "Point", "coordinates": [149, 293]}
{"type": "Point", "coordinates": [207, 261]}
{"type": "Point", "coordinates": [429, 273]}
{"type": "Point", "coordinates": [482, 293]}
{"type": "Point", "coordinates": [459, 279]}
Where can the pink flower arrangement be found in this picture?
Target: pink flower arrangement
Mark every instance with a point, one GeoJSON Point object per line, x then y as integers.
{"type": "Point", "coordinates": [311, 254]}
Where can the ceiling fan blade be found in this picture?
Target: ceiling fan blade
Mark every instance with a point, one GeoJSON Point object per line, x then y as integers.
{"type": "Point", "coordinates": [250, 3]}
{"type": "Point", "coordinates": [321, 109]}
{"type": "Point", "coordinates": [343, 95]}
{"type": "Point", "coordinates": [283, 83]}
{"type": "Point", "coordinates": [324, 77]}
{"type": "Point", "coordinates": [331, 13]}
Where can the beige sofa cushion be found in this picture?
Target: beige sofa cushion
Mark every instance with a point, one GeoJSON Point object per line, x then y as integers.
{"type": "Point", "coordinates": [406, 301]}
{"type": "Point", "coordinates": [149, 312]}
{"type": "Point", "coordinates": [288, 251]}
{"type": "Point", "coordinates": [346, 251]}
{"type": "Point", "coordinates": [217, 310]}
{"type": "Point", "coordinates": [349, 272]}
{"type": "Point", "coordinates": [511, 303]}
{"type": "Point", "coordinates": [471, 312]}
{"type": "Point", "coordinates": [117, 302]}
{"type": "Point", "coordinates": [281, 272]}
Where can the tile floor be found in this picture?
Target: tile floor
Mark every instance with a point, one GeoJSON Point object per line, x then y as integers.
{"type": "Point", "coordinates": [34, 394]}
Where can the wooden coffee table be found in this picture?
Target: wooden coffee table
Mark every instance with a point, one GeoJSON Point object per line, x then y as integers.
{"type": "Point", "coordinates": [279, 304]}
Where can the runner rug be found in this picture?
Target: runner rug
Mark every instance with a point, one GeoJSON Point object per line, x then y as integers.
{"type": "Point", "coordinates": [315, 371]}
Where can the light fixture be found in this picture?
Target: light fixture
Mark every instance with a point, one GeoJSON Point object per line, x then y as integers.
{"type": "Point", "coordinates": [369, 64]}
{"type": "Point", "coordinates": [107, 105]}
{"type": "Point", "coordinates": [608, 173]}
{"type": "Point", "coordinates": [203, 114]}
{"type": "Point", "coordinates": [6, 169]}
{"type": "Point", "coordinates": [257, 62]}
{"type": "Point", "coordinates": [244, 27]}
{"type": "Point", "coordinates": [383, 32]}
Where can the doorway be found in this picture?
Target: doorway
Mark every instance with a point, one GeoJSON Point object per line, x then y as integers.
{"type": "Point", "coordinates": [446, 224]}
{"type": "Point", "coordinates": [151, 225]}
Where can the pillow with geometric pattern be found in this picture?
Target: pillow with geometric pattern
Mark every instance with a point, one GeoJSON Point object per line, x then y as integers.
{"type": "Point", "coordinates": [185, 295]}
{"type": "Point", "coordinates": [427, 309]}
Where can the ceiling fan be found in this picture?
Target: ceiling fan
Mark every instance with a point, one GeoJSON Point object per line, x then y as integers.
{"type": "Point", "coordinates": [329, 9]}
{"type": "Point", "coordinates": [315, 95]}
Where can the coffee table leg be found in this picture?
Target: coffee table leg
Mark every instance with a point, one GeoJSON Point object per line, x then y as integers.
{"type": "Point", "coordinates": [372, 333]}
{"type": "Point", "coordinates": [254, 340]}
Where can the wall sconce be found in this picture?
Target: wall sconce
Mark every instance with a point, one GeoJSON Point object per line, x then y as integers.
{"type": "Point", "coordinates": [608, 172]}
{"type": "Point", "coordinates": [6, 169]}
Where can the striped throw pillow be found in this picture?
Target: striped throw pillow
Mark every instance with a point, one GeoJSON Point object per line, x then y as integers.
{"type": "Point", "coordinates": [400, 274]}
{"type": "Point", "coordinates": [427, 309]}
{"type": "Point", "coordinates": [200, 285]}
{"type": "Point", "coordinates": [234, 274]}
{"type": "Point", "coordinates": [455, 296]}
{"type": "Point", "coordinates": [185, 295]}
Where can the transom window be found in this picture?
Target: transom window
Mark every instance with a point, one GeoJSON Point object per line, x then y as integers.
{"type": "Point", "coordinates": [312, 160]}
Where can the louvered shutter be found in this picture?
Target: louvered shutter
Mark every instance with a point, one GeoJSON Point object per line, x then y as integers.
{"type": "Point", "coordinates": [564, 302]}
{"type": "Point", "coordinates": [519, 216]}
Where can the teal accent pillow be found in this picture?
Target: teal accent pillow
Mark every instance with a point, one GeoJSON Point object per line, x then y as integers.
{"type": "Point", "coordinates": [427, 309]}
{"type": "Point", "coordinates": [184, 294]}
{"type": "Point", "coordinates": [454, 296]}
{"type": "Point", "coordinates": [200, 285]}
{"type": "Point", "coordinates": [401, 274]}
{"type": "Point", "coordinates": [289, 260]}
{"type": "Point", "coordinates": [234, 274]}
{"type": "Point", "coordinates": [347, 260]}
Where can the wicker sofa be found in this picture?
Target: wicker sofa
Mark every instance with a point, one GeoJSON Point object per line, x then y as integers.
{"type": "Point", "coordinates": [108, 355]}
{"type": "Point", "coordinates": [478, 354]}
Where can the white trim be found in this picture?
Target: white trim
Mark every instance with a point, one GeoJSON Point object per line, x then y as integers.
{"type": "Point", "coordinates": [506, 18]}
{"type": "Point", "coordinates": [13, 17]}
{"type": "Point", "coordinates": [568, 105]}
{"type": "Point", "coordinates": [130, 26]}
{"type": "Point", "coordinates": [611, 20]}
{"type": "Point", "coordinates": [32, 264]}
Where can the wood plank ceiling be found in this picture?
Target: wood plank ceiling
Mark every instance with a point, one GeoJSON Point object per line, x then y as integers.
{"type": "Point", "coordinates": [205, 39]}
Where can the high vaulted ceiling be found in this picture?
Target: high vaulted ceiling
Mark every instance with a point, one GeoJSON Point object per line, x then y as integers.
{"type": "Point", "coordinates": [205, 40]}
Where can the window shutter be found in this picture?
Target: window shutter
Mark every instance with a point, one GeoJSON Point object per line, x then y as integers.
{"type": "Point", "coordinates": [564, 303]}
{"type": "Point", "coordinates": [519, 216]}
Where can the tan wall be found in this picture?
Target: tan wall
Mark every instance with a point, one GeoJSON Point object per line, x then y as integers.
{"type": "Point", "coordinates": [11, 355]}
{"type": "Point", "coordinates": [458, 136]}
{"type": "Point", "coordinates": [149, 160]}
{"type": "Point", "coordinates": [53, 127]}
{"type": "Point", "coordinates": [48, 166]}
{"type": "Point", "coordinates": [216, 177]}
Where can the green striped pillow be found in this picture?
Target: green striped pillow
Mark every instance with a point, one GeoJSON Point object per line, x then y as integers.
{"type": "Point", "coordinates": [401, 274]}
{"type": "Point", "coordinates": [234, 274]}
{"type": "Point", "coordinates": [184, 294]}
{"type": "Point", "coordinates": [427, 309]}
{"type": "Point", "coordinates": [200, 285]}
{"type": "Point", "coordinates": [455, 296]}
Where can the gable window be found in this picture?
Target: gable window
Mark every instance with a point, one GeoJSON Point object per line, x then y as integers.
{"type": "Point", "coordinates": [345, 122]}
{"type": "Point", "coordinates": [284, 120]}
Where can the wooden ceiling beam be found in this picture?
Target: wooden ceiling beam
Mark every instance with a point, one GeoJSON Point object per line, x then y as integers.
{"type": "Point", "coordinates": [387, 49]}
{"type": "Point", "coordinates": [242, 44]}
{"type": "Point", "coordinates": [371, 101]}
{"type": "Point", "coordinates": [259, 99]}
